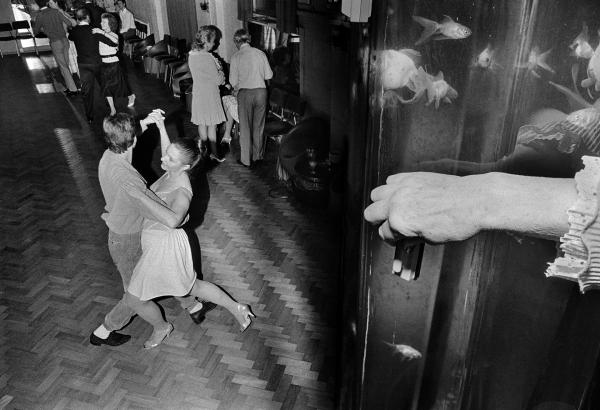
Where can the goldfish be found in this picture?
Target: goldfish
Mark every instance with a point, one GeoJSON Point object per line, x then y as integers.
{"type": "Point", "coordinates": [448, 29]}
{"type": "Point", "coordinates": [485, 59]}
{"type": "Point", "coordinates": [398, 67]}
{"type": "Point", "coordinates": [437, 88]}
{"type": "Point", "coordinates": [580, 46]}
{"type": "Point", "coordinates": [407, 352]}
{"type": "Point", "coordinates": [593, 72]}
{"type": "Point", "coordinates": [537, 59]}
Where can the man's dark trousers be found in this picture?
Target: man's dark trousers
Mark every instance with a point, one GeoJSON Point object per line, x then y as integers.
{"type": "Point", "coordinates": [90, 74]}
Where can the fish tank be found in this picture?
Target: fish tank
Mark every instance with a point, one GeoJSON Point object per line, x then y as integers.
{"type": "Point", "coordinates": [466, 87]}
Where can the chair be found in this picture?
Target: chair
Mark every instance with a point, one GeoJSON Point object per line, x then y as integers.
{"type": "Point", "coordinates": [141, 32]}
{"type": "Point", "coordinates": [28, 35]}
{"type": "Point", "coordinates": [277, 98]}
{"type": "Point", "coordinates": [7, 28]}
{"type": "Point", "coordinates": [172, 65]}
{"type": "Point", "coordinates": [141, 48]}
{"type": "Point", "coordinates": [151, 66]}
{"type": "Point", "coordinates": [173, 55]}
{"type": "Point", "coordinates": [179, 74]}
{"type": "Point", "coordinates": [309, 133]}
{"type": "Point", "coordinates": [285, 110]}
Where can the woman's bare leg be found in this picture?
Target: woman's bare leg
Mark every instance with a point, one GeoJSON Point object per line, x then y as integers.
{"type": "Point", "coordinates": [212, 137]}
{"type": "Point", "coordinates": [150, 312]}
{"type": "Point", "coordinates": [202, 142]}
{"type": "Point", "coordinates": [228, 127]}
{"type": "Point", "coordinates": [111, 104]}
{"type": "Point", "coordinates": [208, 291]}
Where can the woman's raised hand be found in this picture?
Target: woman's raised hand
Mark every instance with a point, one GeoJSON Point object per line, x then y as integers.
{"type": "Point", "coordinates": [155, 117]}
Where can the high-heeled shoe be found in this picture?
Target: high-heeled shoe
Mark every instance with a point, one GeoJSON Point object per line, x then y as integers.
{"type": "Point", "coordinates": [246, 314]}
{"type": "Point", "coordinates": [158, 337]}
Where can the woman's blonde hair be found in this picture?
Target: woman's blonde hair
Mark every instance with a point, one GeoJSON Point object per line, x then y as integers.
{"type": "Point", "coordinates": [204, 35]}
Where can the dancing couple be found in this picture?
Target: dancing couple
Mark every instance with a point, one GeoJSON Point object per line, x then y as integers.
{"type": "Point", "coordinates": [160, 263]}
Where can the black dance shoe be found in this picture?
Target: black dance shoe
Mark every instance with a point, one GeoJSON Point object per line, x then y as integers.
{"type": "Point", "coordinates": [199, 316]}
{"type": "Point", "coordinates": [113, 339]}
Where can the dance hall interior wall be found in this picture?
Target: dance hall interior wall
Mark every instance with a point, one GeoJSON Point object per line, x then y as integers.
{"type": "Point", "coordinates": [152, 12]}
{"type": "Point", "coordinates": [324, 74]}
{"type": "Point", "coordinates": [6, 14]}
{"type": "Point", "coordinates": [223, 14]}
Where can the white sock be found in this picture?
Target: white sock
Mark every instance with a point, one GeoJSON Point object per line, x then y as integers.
{"type": "Point", "coordinates": [196, 308]}
{"type": "Point", "coordinates": [102, 332]}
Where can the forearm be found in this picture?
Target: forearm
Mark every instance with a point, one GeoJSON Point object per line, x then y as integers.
{"type": "Point", "coordinates": [164, 138]}
{"type": "Point", "coordinates": [152, 207]}
{"type": "Point", "coordinates": [530, 205]}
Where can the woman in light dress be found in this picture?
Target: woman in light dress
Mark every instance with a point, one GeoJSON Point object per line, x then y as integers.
{"type": "Point", "coordinates": [207, 108]}
{"type": "Point", "coordinates": [165, 267]}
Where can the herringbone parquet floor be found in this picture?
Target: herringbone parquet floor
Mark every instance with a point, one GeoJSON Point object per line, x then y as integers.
{"type": "Point", "coordinates": [57, 280]}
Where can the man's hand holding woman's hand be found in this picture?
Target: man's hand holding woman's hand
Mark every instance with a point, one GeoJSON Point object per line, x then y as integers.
{"type": "Point", "coordinates": [157, 116]}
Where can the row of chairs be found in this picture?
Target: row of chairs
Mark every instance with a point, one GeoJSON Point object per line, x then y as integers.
{"type": "Point", "coordinates": [166, 59]}
{"type": "Point", "coordinates": [168, 53]}
{"type": "Point", "coordinates": [15, 31]}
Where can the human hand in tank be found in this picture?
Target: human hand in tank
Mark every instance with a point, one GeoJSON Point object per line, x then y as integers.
{"type": "Point", "coordinates": [438, 208]}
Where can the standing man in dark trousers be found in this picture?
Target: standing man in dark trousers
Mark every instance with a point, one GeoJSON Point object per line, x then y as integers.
{"type": "Point", "coordinates": [88, 59]}
{"type": "Point", "coordinates": [50, 21]}
{"type": "Point", "coordinates": [248, 74]}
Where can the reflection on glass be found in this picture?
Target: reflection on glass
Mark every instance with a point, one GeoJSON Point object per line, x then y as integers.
{"type": "Point", "coordinates": [468, 87]}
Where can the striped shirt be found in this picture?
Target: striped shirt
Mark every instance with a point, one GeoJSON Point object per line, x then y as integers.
{"type": "Point", "coordinates": [581, 244]}
{"type": "Point", "coordinates": [108, 45]}
{"type": "Point", "coordinates": [579, 131]}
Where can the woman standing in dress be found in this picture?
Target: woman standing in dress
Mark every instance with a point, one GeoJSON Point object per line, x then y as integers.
{"type": "Point", "coordinates": [113, 81]}
{"type": "Point", "coordinates": [166, 267]}
{"type": "Point", "coordinates": [207, 109]}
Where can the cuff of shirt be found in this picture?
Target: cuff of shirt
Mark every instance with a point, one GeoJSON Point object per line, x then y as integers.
{"type": "Point", "coordinates": [581, 245]}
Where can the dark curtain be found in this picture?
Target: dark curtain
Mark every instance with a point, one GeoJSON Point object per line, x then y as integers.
{"type": "Point", "coordinates": [287, 18]}
{"type": "Point", "coordinates": [182, 19]}
{"type": "Point", "coordinates": [244, 11]}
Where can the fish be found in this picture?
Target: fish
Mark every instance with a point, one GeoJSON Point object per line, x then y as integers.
{"type": "Point", "coordinates": [485, 59]}
{"type": "Point", "coordinates": [437, 88]}
{"type": "Point", "coordinates": [580, 47]}
{"type": "Point", "coordinates": [398, 67]}
{"type": "Point", "coordinates": [537, 59]}
{"type": "Point", "coordinates": [407, 352]}
{"type": "Point", "coordinates": [448, 29]}
{"type": "Point", "coordinates": [593, 73]}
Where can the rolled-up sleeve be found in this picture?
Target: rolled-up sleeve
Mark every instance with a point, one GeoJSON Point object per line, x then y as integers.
{"type": "Point", "coordinates": [581, 244]}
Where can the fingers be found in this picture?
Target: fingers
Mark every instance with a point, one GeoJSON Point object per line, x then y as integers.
{"type": "Point", "coordinates": [377, 212]}
{"type": "Point", "coordinates": [386, 233]}
{"type": "Point", "coordinates": [383, 192]}
{"type": "Point", "coordinates": [156, 116]}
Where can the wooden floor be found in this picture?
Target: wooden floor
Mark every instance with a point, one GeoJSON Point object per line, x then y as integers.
{"type": "Point", "coordinates": [57, 280]}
